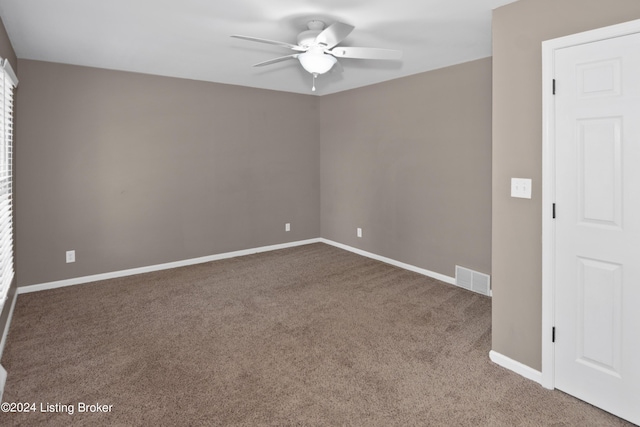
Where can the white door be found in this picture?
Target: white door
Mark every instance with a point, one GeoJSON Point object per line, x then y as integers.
{"type": "Point", "coordinates": [597, 246]}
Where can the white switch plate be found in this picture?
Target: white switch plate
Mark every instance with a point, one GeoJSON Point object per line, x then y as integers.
{"type": "Point", "coordinates": [287, 227]}
{"type": "Point", "coordinates": [359, 232]}
{"type": "Point", "coordinates": [521, 188]}
{"type": "Point", "coordinates": [71, 256]}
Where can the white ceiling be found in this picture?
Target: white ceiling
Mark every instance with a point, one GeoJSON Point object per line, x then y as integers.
{"type": "Point", "coordinates": [190, 38]}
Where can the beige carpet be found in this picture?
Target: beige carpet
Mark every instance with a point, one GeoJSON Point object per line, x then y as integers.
{"type": "Point", "coordinates": [311, 335]}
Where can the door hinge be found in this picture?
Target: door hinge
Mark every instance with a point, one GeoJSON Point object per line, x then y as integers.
{"type": "Point", "coordinates": [553, 211]}
{"type": "Point", "coordinates": [554, 86]}
{"type": "Point", "coordinates": [553, 334]}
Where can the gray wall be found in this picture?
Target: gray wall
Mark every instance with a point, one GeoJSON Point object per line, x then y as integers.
{"type": "Point", "coordinates": [6, 51]}
{"type": "Point", "coordinates": [409, 161]}
{"type": "Point", "coordinates": [132, 170]}
{"type": "Point", "coordinates": [518, 31]}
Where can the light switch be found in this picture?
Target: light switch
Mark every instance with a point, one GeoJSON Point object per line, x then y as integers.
{"type": "Point", "coordinates": [521, 188]}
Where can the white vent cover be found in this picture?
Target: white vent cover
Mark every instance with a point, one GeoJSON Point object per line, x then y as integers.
{"type": "Point", "coordinates": [473, 281]}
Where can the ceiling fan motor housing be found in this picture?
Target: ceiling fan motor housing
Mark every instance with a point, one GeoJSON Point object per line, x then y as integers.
{"type": "Point", "coordinates": [307, 38]}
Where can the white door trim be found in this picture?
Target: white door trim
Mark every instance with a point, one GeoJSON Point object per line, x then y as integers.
{"type": "Point", "coordinates": [548, 178]}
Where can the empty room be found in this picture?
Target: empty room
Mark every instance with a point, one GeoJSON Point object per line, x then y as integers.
{"type": "Point", "coordinates": [319, 213]}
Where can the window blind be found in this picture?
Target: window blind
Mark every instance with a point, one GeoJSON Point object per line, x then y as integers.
{"type": "Point", "coordinates": [8, 81]}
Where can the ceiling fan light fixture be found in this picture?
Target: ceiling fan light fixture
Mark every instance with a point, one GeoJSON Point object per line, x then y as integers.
{"type": "Point", "coordinates": [316, 63]}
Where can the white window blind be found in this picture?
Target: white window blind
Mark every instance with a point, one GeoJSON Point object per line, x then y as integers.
{"type": "Point", "coordinates": [8, 82]}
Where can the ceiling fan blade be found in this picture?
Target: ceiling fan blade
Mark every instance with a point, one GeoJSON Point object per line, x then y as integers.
{"type": "Point", "coordinates": [365, 53]}
{"type": "Point", "coordinates": [277, 43]}
{"type": "Point", "coordinates": [334, 34]}
{"type": "Point", "coordinates": [274, 60]}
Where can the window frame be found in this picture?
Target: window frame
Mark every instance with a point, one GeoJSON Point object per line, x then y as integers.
{"type": "Point", "coordinates": [8, 83]}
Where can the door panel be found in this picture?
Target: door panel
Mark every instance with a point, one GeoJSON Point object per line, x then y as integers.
{"type": "Point", "coordinates": [599, 325]}
{"type": "Point", "coordinates": [597, 235]}
{"type": "Point", "coordinates": [600, 174]}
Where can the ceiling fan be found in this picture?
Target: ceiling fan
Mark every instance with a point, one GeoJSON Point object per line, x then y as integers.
{"type": "Point", "coordinates": [317, 48]}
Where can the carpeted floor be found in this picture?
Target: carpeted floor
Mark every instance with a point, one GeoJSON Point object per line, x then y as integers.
{"type": "Point", "coordinates": [311, 335]}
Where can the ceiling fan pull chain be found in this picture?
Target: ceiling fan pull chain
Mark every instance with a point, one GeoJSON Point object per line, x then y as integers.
{"type": "Point", "coordinates": [313, 86]}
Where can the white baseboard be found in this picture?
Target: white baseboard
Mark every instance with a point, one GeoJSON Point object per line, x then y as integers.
{"type": "Point", "coordinates": [158, 267]}
{"type": "Point", "coordinates": [3, 381]}
{"type": "Point", "coordinates": [3, 341]}
{"type": "Point", "coordinates": [192, 261]}
{"type": "Point", "coordinates": [515, 366]}
{"type": "Point", "coordinates": [434, 275]}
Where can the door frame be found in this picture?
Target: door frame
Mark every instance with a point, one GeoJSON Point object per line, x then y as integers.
{"type": "Point", "coordinates": [549, 182]}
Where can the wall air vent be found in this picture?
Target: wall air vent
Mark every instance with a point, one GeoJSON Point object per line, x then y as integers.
{"type": "Point", "coordinates": [473, 280]}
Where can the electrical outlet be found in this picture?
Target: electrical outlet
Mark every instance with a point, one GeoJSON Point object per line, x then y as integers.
{"type": "Point", "coordinates": [287, 227]}
{"type": "Point", "coordinates": [359, 232]}
{"type": "Point", "coordinates": [71, 256]}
